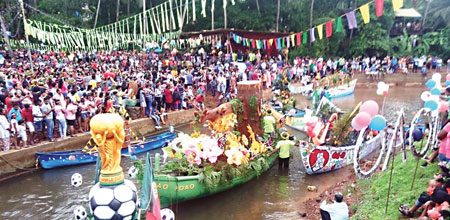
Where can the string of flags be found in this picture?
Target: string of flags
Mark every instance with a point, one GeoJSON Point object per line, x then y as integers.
{"type": "Point", "coordinates": [297, 39]}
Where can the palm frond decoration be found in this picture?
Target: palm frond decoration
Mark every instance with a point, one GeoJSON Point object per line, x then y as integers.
{"type": "Point", "coordinates": [341, 128]}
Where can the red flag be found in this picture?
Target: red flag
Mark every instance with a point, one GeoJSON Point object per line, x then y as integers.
{"type": "Point", "coordinates": [155, 208]}
{"type": "Point", "coordinates": [253, 43]}
{"type": "Point", "coordinates": [379, 7]}
{"type": "Point", "coordinates": [298, 36]}
{"type": "Point", "coordinates": [275, 43]}
{"type": "Point", "coordinates": [329, 29]}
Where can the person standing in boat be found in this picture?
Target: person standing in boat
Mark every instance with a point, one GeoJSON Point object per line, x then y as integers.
{"type": "Point", "coordinates": [284, 146]}
{"type": "Point", "coordinates": [269, 124]}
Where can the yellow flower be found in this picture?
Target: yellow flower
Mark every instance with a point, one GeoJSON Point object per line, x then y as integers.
{"type": "Point", "coordinates": [244, 140]}
{"type": "Point", "coordinates": [195, 134]}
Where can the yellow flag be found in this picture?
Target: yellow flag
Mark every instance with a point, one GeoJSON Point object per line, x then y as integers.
{"type": "Point", "coordinates": [397, 4]}
{"type": "Point", "coordinates": [292, 39]}
{"type": "Point", "coordinates": [365, 13]}
{"type": "Point", "coordinates": [320, 31]}
{"type": "Point", "coordinates": [270, 42]}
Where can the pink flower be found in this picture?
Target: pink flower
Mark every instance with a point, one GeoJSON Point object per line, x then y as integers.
{"type": "Point", "coordinates": [193, 156]}
{"type": "Point", "coordinates": [211, 150]}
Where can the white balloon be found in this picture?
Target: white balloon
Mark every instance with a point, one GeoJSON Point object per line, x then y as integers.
{"type": "Point", "coordinates": [386, 87]}
{"type": "Point", "coordinates": [379, 92]}
{"type": "Point", "coordinates": [425, 96]}
{"type": "Point", "coordinates": [381, 84]}
{"type": "Point", "coordinates": [436, 77]}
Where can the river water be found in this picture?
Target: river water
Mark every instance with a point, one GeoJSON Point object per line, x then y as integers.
{"type": "Point", "coordinates": [48, 194]}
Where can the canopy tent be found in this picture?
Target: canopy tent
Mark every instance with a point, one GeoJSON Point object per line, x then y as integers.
{"type": "Point", "coordinates": [225, 33]}
{"type": "Point", "coordinates": [407, 13]}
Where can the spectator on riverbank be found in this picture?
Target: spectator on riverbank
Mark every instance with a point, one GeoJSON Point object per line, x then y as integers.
{"type": "Point", "coordinates": [338, 210]}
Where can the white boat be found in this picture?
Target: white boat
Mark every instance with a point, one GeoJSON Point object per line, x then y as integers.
{"type": "Point", "coordinates": [342, 90]}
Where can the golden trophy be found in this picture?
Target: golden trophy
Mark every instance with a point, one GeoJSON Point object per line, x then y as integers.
{"type": "Point", "coordinates": [108, 133]}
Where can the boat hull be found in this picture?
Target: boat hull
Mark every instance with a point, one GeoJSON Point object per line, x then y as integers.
{"type": "Point", "coordinates": [174, 190]}
{"type": "Point", "coordinates": [342, 91]}
{"type": "Point", "coordinates": [321, 159]}
{"type": "Point", "coordinates": [50, 160]}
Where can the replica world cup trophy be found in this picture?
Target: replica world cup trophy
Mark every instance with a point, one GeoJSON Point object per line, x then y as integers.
{"type": "Point", "coordinates": [113, 197]}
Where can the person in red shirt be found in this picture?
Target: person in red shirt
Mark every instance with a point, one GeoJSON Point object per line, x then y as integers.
{"type": "Point", "coordinates": [27, 116]}
{"type": "Point", "coordinates": [168, 95]}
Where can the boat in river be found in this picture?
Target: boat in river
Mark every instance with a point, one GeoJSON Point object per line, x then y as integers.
{"type": "Point", "coordinates": [50, 160]}
{"type": "Point", "coordinates": [176, 189]}
{"type": "Point", "coordinates": [319, 159]}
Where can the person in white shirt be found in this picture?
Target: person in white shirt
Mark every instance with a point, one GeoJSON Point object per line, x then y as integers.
{"type": "Point", "coordinates": [336, 211]}
{"type": "Point", "coordinates": [4, 130]}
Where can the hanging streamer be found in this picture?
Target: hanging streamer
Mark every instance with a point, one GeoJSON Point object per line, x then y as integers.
{"type": "Point", "coordinates": [365, 13]}
{"type": "Point", "coordinates": [320, 31]}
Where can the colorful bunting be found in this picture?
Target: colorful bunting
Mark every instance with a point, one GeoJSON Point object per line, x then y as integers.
{"type": "Point", "coordinates": [329, 28]}
{"type": "Point", "coordinates": [351, 19]}
{"type": "Point", "coordinates": [379, 4]}
{"type": "Point", "coordinates": [365, 13]}
{"type": "Point", "coordinates": [305, 38]}
{"type": "Point", "coordinates": [397, 4]}
{"type": "Point", "coordinates": [311, 35]}
{"type": "Point", "coordinates": [338, 24]}
{"type": "Point", "coordinates": [293, 39]}
{"type": "Point", "coordinates": [298, 36]}
{"type": "Point", "coordinates": [320, 31]}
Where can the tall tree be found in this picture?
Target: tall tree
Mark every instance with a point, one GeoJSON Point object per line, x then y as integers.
{"type": "Point", "coordinates": [118, 10]}
{"type": "Point", "coordinates": [278, 14]}
{"type": "Point", "coordinates": [6, 35]}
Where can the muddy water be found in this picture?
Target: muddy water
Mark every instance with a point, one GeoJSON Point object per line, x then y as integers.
{"type": "Point", "coordinates": [47, 194]}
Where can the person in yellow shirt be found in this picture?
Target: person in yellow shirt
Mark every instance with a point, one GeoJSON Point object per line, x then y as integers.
{"type": "Point", "coordinates": [269, 124]}
{"type": "Point", "coordinates": [284, 146]}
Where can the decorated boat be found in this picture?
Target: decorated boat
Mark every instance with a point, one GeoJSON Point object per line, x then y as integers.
{"type": "Point", "coordinates": [234, 152]}
{"type": "Point", "coordinates": [50, 160]}
{"type": "Point", "coordinates": [335, 92]}
{"type": "Point", "coordinates": [319, 159]}
{"type": "Point", "coordinates": [295, 89]}
{"type": "Point", "coordinates": [175, 189]}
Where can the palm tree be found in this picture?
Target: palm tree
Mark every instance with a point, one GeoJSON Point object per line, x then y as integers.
{"type": "Point", "coordinates": [439, 13]}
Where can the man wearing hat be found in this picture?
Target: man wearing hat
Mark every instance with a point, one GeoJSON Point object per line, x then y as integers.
{"type": "Point", "coordinates": [336, 211]}
{"type": "Point", "coordinates": [284, 145]}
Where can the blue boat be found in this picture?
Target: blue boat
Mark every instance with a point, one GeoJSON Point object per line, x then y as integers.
{"type": "Point", "coordinates": [49, 160]}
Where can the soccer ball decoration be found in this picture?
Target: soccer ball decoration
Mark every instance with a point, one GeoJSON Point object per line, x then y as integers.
{"type": "Point", "coordinates": [79, 213]}
{"type": "Point", "coordinates": [167, 214]}
{"type": "Point", "coordinates": [76, 180]}
{"type": "Point", "coordinates": [133, 172]}
{"type": "Point", "coordinates": [113, 202]}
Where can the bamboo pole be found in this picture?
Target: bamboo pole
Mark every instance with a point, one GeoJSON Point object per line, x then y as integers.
{"type": "Point", "coordinates": [96, 14]}
{"type": "Point", "coordinates": [5, 33]}
{"type": "Point", "coordinates": [392, 169]}
{"type": "Point", "coordinates": [26, 35]}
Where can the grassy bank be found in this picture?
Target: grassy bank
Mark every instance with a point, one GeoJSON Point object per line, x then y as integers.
{"type": "Point", "coordinates": [373, 201]}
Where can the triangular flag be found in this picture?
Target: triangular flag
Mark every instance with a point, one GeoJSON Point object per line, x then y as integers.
{"type": "Point", "coordinates": [298, 36]}
{"type": "Point", "coordinates": [258, 44]}
{"type": "Point", "coordinates": [379, 4]}
{"type": "Point", "coordinates": [253, 43]}
{"type": "Point", "coordinates": [278, 43]}
{"type": "Point", "coordinates": [288, 42]}
{"type": "Point", "coordinates": [270, 42]}
{"type": "Point", "coordinates": [305, 37]}
{"type": "Point", "coordinates": [320, 31]}
{"type": "Point", "coordinates": [365, 13]}
{"type": "Point", "coordinates": [264, 44]}
{"type": "Point", "coordinates": [329, 28]}
{"type": "Point", "coordinates": [311, 35]}
{"type": "Point", "coordinates": [351, 19]}
{"type": "Point", "coordinates": [397, 4]}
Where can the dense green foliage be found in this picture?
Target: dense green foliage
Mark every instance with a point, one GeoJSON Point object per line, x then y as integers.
{"type": "Point", "coordinates": [371, 39]}
{"type": "Point", "coordinates": [373, 203]}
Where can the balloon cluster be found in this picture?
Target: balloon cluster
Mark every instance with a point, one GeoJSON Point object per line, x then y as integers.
{"type": "Point", "coordinates": [431, 98]}
{"type": "Point", "coordinates": [382, 89]}
{"type": "Point", "coordinates": [367, 116]}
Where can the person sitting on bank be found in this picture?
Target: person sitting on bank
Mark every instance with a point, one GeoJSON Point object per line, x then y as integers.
{"type": "Point", "coordinates": [336, 211]}
{"type": "Point", "coordinates": [269, 124]}
{"type": "Point", "coordinates": [284, 146]}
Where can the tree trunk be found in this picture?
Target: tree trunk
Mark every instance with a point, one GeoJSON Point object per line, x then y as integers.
{"type": "Point", "coordinates": [128, 8]}
{"type": "Point", "coordinates": [278, 15]}
{"type": "Point", "coordinates": [5, 33]}
{"type": "Point", "coordinates": [96, 13]}
{"type": "Point", "coordinates": [118, 9]}
{"type": "Point", "coordinates": [248, 117]}
{"type": "Point", "coordinates": [311, 11]}
{"type": "Point", "coordinates": [225, 15]}
{"type": "Point", "coordinates": [257, 7]}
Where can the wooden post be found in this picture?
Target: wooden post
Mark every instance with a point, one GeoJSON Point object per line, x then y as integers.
{"type": "Point", "coordinates": [5, 33]}
{"type": "Point", "coordinates": [96, 13]}
{"type": "Point", "coordinates": [26, 35]}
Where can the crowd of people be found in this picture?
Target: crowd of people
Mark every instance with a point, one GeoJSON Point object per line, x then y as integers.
{"type": "Point", "coordinates": [56, 94]}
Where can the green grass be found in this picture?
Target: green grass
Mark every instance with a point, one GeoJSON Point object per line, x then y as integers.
{"type": "Point", "coordinates": [373, 203]}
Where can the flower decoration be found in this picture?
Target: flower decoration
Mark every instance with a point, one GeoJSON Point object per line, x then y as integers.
{"type": "Point", "coordinates": [234, 156]}
{"type": "Point", "coordinates": [211, 150]}
{"type": "Point", "coordinates": [224, 123]}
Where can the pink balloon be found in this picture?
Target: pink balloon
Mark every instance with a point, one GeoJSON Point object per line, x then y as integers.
{"type": "Point", "coordinates": [357, 127]}
{"type": "Point", "coordinates": [370, 107]}
{"type": "Point", "coordinates": [385, 93]}
{"type": "Point", "coordinates": [443, 107]}
{"type": "Point", "coordinates": [363, 119]}
{"type": "Point", "coordinates": [447, 77]}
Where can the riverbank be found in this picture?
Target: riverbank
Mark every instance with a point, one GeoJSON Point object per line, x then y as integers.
{"type": "Point", "coordinates": [24, 159]}
{"type": "Point", "coordinates": [366, 199]}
